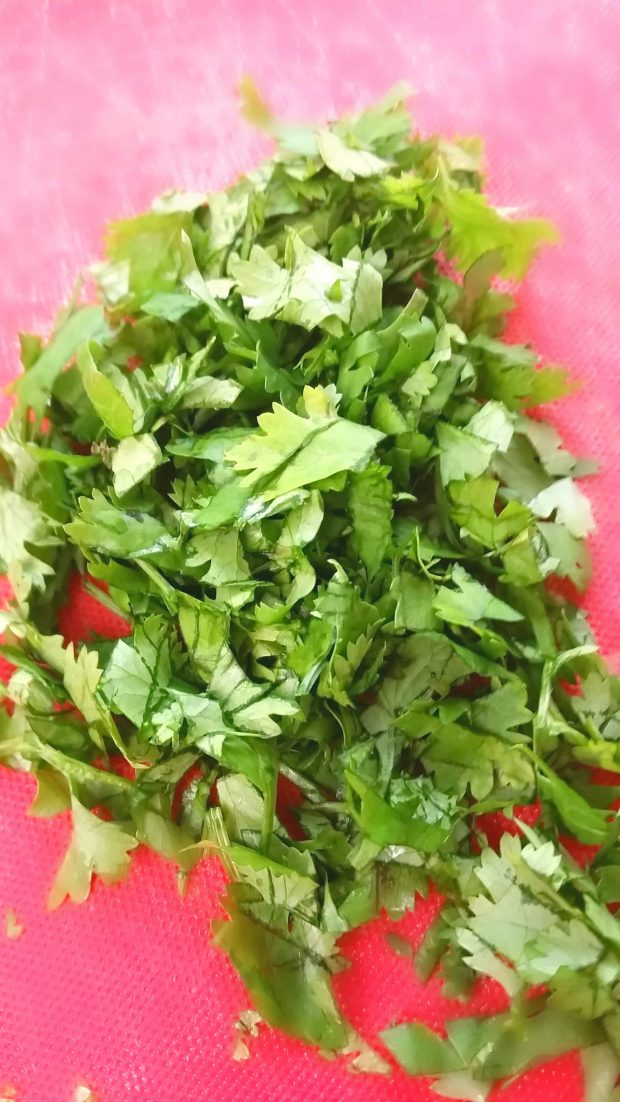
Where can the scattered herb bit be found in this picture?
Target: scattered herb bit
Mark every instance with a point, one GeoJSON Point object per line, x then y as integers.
{"type": "Point", "coordinates": [364, 1059]}
{"type": "Point", "coordinates": [290, 447]}
{"type": "Point", "coordinates": [246, 1026]}
{"type": "Point", "coordinates": [14, 929]}
{"type": "Point", "coordinates": [84, 1094]}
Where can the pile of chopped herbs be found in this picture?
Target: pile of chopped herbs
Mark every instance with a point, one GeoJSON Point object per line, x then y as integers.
{"type": "Point", "coordinates": [288, 445]}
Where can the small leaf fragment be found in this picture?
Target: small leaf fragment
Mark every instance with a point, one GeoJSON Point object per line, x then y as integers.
{"type": "Point", "coordinates": [14, 928]}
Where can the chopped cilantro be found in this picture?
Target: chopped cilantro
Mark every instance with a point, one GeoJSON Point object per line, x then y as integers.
{"type": "Point", "coordinates": [290, 447]}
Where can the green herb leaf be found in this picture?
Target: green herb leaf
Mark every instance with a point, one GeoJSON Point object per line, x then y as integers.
{"type": "Point", "coordinates": [81, 325]}
{"type": "Point", "coordinates": [111, 406]}
{"type": "Point", "coordinates": [96, 847]}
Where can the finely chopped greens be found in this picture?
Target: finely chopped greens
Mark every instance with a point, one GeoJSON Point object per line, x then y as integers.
{"type": "Point", "coordinates": [289, 446]}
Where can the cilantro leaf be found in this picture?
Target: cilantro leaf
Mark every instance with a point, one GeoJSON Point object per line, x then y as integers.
{"type": "Point", "coordinates": [470, 601]}
{"type": "Point", "coordinates": [309, 290]}
{"type": "Point", "coordinates": [346, 161]}
{"type": "Point", "coordinates": [476, 228]}
{"type": "Point", "coordinates": [136, 675]}
{"type": "Point", "coordinates": [96, 847]}
{"type": "Point", "coordinates": [36, 385]}
{"type": "Point", "coordinates": [286, 975]}
{"type": "Point", "coordinates": [133, 460]}
{"type": "Point", "coordinates": [100, 524]}
{"type": "Point", "coordinates": [570, 504]}
{"type": "Point", "coordinates": [462, 454]}
{"type": "Point", "coordinates": [370, 502]}
{"type": "Point", "coordinates": [313, 448]}
{"type": "Point", "coordinates": [23, 525]}
{"type": "Point", "coordinates": [110, 404]}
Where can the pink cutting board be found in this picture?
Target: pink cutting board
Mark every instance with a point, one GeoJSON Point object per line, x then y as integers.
{"type": "Point", "coordinates": [105, 103]}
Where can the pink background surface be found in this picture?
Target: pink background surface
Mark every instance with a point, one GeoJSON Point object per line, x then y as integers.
{"type": "Point", "coordinates": [103, 105]}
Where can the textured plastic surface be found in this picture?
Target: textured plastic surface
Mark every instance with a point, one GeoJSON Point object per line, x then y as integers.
{"type": "Point", "coordinates": [102, 105]}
